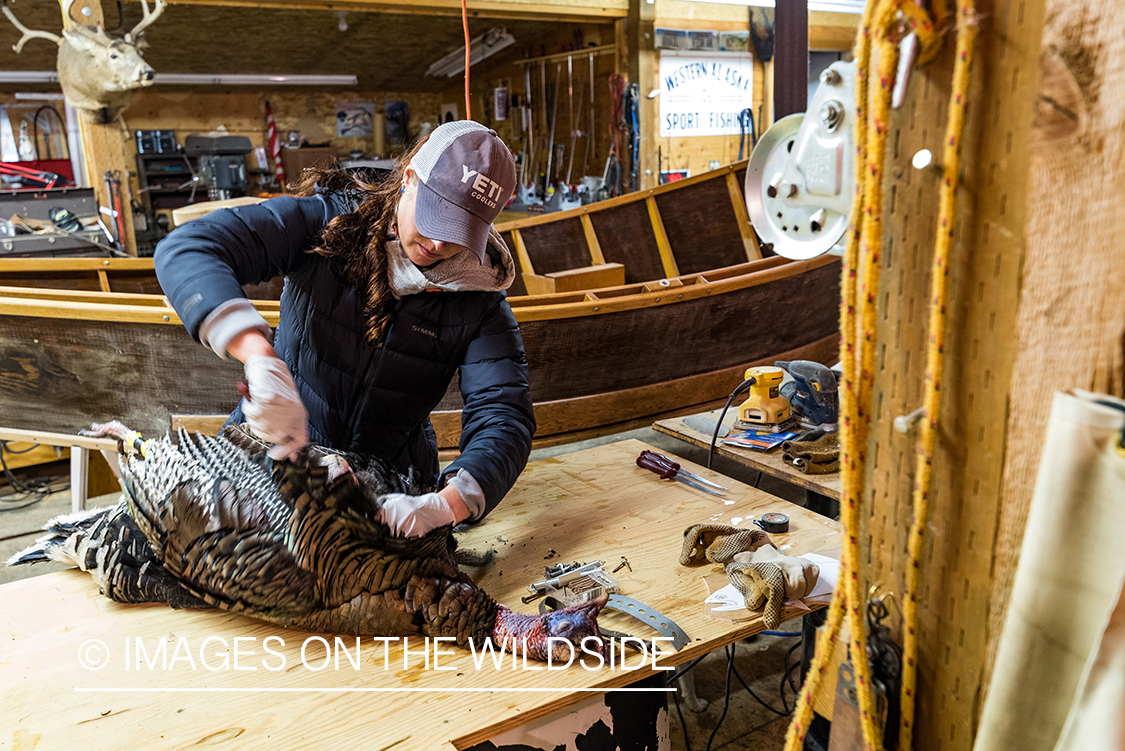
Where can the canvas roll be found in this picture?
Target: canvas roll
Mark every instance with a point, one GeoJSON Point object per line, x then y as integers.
{"type": "Point", "coordinates": [1068, 582]}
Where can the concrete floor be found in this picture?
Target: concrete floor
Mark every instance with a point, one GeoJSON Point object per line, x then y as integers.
{"type": "Point", "coordinates": [747, 724]}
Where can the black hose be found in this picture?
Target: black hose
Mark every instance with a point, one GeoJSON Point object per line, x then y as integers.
{"type": "Point", "coordinates": [46, 138]}
{"type": "Point", "coordinates": [715, 437]}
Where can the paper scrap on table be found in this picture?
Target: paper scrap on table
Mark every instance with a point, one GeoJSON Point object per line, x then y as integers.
{"type": "Point", "coordinates": [829, 574]}
{"type": "Point", "coordinates": [729, 598]}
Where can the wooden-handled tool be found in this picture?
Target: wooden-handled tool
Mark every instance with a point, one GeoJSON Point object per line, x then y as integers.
{"type": "Point", "coordinates": [668, 469]}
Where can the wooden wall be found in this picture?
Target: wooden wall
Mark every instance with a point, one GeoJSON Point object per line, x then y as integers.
{"type": "Point", "coordinates": [243, 112]}
{"type": "Point", "coordinates": [827, 31]}
{"type": "Point", "coordinates": [510, 73]}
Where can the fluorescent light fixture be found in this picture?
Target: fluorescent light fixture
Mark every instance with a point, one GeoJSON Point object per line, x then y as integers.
{"type": "Point", "coordinates": [28, 76]}
{"type": "Point", "coordinates": [483, 46]}
{"type": "Point", "coordinates": [827, 6]}
{"type": "Point", "coordinates": [191, 79]}
{"type": "Point", "coordinates": [39, 96]}
{"type": "Point", "coordinates": [253, 79]}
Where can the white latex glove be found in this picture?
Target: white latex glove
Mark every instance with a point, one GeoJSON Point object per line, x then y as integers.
{"type": "Point", "coordinates": [274, 409]}
{"type": "Point", "coordinates": [415, 515]}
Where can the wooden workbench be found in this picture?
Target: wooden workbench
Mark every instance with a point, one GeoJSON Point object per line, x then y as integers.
{"type": "Point", "coordinates": [770, 462]}
{"type": "Point", "coordinates": [588, 505]}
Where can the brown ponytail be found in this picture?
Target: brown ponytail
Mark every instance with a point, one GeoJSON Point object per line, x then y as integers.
{"type": "Point", "coordinates": [358, 240]}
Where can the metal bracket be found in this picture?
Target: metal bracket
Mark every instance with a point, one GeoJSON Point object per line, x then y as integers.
{"type": "Point", "coordinates": [649, 616]}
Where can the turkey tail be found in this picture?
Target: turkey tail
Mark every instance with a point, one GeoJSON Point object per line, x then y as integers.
{"type": "Point", "coordinates": [108, 544]}
{"type": "Point", "coordinates": [72, 539]}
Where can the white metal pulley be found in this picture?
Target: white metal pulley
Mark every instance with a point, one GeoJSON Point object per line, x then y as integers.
{"type": "Point", "coordinates": [800, 182]}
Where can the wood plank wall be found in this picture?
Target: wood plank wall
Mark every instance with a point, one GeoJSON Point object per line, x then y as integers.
{"type": "Point", "coordinates": [242, 112]}
{"type": "Point", "coordinates": [827, 31]}
{"type": "Point", "coordinates": [485, 78]}
{"type": "Point", "coordinates": [956, 611]}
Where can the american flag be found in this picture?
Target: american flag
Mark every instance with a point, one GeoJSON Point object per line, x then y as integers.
{"type": "Point", "coordinates": [275, 147]}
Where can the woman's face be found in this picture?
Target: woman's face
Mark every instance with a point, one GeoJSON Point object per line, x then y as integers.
{"type": "Point", "coordinates": [422, 251]}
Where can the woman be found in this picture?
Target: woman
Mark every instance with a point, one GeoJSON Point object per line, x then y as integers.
{"type": "Point", "coordinates": [389, 290]}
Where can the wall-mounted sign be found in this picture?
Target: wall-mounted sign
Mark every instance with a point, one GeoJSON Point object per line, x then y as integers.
{"type": "Point", "coordinates": [355, 119]}
{"type": "Point", "coordinates": [670, 39]}
{"type": "Point", "coordinates": [701, 94]}
{"type": "Point", "coordinates": [734, 41]}
{"type": "Point", "coordinates": [673, 175]}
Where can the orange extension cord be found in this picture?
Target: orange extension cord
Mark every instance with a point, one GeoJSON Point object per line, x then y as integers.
{"type": "Point", "coordinates": [465, 26]}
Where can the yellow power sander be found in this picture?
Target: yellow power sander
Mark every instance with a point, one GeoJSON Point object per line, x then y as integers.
{"type": "Point", "coordinates": [765, 409]}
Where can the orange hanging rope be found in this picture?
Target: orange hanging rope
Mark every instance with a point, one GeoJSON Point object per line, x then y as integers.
{"type": "Point", "coordinates": [465, 26]}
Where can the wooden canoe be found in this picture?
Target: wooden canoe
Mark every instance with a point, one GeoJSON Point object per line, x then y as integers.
{"type": "Point", "coordinates": [697, 306]}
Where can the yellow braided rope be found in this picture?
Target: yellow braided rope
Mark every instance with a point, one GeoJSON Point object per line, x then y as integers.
{"type": "Point", "coordinates": [939, 285]}
{"type": "Point", "coordinates": [858, 339]}
{"type": "Point", "coordinates": [802, 715]}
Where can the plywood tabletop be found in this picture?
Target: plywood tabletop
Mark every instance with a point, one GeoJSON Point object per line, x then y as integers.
{"type": "Point", "coordinates": [588, 505]}
{"type": "Point", "coordinates": [769, 462]}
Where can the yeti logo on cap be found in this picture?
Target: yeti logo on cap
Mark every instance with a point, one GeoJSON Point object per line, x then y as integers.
{"type": "Point", "coordinates": [484, 190]}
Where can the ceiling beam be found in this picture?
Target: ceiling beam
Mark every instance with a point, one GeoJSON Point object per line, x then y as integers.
{"type": "Point", "coordinates": [577, 11]}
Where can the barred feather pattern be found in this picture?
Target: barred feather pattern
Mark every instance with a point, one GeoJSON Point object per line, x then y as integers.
{"type": "Point", "coordinates": [213, 522]}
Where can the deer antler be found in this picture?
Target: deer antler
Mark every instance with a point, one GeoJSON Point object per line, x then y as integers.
{"type": "Point", "coordinates": [158, 7]}
{"type": "Point", "coordinates": [28, 33]}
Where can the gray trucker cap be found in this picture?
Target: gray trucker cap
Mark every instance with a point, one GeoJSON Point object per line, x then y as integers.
{"type": "Point", "coordinates": [467, 176]}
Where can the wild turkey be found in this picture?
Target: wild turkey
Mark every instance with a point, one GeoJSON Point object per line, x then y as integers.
{"type": "Point", "coordinates": [209, 522]}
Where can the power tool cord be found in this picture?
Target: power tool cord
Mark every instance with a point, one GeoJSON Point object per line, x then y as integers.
{"type": "Point", "coordinates": [715, 436]}
{"type": "Point", "coordinates": [786, 676]}
{"type": "Point", "coordinates": [29, 492]}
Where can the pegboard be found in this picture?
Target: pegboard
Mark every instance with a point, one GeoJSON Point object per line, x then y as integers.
{"type": "Point", "coordinates": [980, 349]}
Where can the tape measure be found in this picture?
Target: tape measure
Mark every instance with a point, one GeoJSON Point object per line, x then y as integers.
{"type": "Point", "coordinates": [773, 522]}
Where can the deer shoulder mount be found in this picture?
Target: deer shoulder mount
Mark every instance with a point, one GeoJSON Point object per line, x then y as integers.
{"type": "Point", "coordinates": [97, 72]}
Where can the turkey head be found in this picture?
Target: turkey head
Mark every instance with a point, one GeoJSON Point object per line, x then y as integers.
{"type": "Point", "coordinates": [561, 634]}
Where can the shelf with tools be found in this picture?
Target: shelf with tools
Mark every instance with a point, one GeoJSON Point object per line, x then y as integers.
{"type": "Point", "coordinates": [169, 180]}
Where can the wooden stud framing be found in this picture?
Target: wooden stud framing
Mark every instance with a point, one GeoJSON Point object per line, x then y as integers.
{"type": "Point", "coordinates": [103, 280]}
{"type": "Point", "coordinates": [596, 256]}
{"type": "Point", "coordinates": [643, 69]}
{"type": "Point", "coordinates": [621, 42]}
{"type": "Point", "coordinates": [104, 145]}
{"type": "Point", "coordinates": [666, 258]}
{"type": "Point", "coordinates": [749, 239]}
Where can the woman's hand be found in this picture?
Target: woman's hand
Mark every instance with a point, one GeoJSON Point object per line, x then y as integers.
{"type": "Point", "coordinates": [415, 515]}
{"type": "Point", "coordinates": [274, 408]}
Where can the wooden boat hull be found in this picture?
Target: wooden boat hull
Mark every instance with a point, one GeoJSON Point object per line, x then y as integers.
{"type": "Point", "coordinates": [669, 356]}
{"type": "Point", "coordinates": [672, 301]}
{"type": "Point", "coordinates": [66, 362]}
